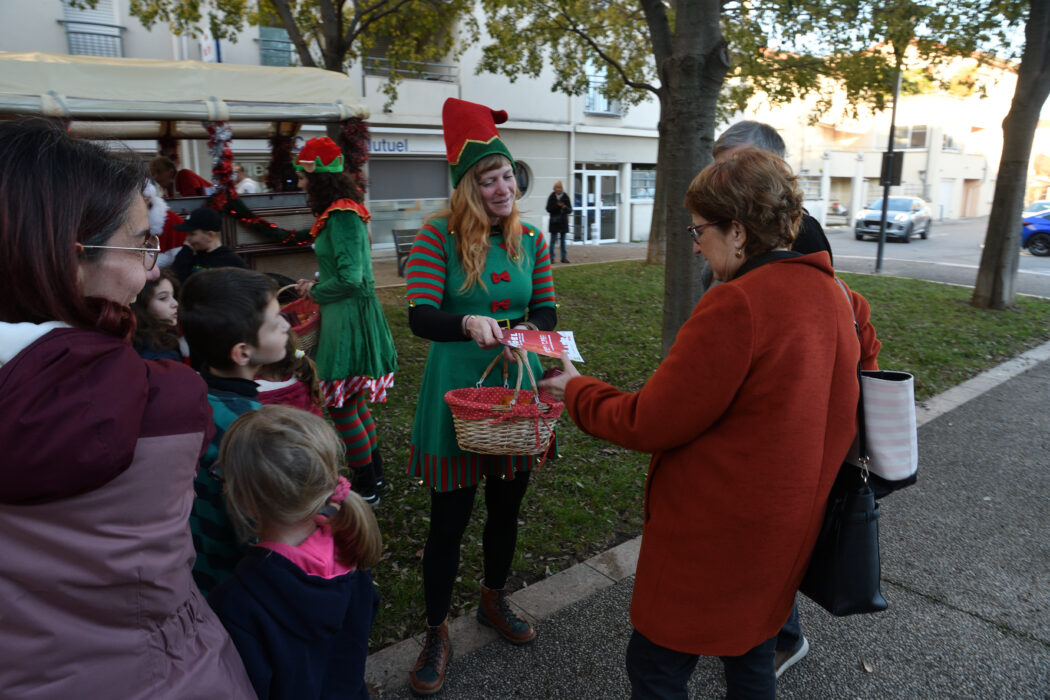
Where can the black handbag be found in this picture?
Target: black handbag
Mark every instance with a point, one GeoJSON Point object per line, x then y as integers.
{"type": "Point", "coordinates": [844, 572]}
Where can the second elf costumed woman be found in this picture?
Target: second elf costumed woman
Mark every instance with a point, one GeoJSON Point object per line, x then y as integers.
{"type": "Point", "coordinates": [474, 270]}
{"type": "Point", "coordinates": [356, 359]}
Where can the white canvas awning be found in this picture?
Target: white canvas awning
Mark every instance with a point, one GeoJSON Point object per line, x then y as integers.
{"type": "Point", "coordinates": [138, 89]}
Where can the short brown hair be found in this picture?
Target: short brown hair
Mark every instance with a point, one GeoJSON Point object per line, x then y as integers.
{"type": "Point", "coordinates": [756, 189]}
{"type": "Point", "coordinates": [221, 307]}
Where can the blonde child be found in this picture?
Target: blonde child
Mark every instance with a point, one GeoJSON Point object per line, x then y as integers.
{"type": "Point", "coordinates": [301, 602]}
{"type": "Point", "coordinates": [291, 381]}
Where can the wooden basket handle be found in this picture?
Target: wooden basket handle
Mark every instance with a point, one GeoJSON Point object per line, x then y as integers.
{"type": "Point", "coordinates": [523, 361]}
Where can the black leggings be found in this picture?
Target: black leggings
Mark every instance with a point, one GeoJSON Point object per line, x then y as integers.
{"type": "Point", "coordinates": [449, 515]}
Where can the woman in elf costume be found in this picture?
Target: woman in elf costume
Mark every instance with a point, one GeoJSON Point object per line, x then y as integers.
{"type": "Point", "coordinates": [356, 359]}
{"type": "Point", "coordinates": [474, 270]}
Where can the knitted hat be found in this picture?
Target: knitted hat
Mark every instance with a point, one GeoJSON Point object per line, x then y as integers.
{"type": "Point", "coordinates": [320, 155]}
{"type": "Point", "coordinates": [470, 135]}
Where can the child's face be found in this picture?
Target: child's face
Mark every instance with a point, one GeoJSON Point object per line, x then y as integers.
{"type": "Point", "coordinates": [202, 241]}
{"type": "Point", "coordinates": [164, 306]}
{"type": "Point", "coordinates": [273, 336]}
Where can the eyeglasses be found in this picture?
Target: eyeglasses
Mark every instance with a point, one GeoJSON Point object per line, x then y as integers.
{"type": "Point", "coordinates": [149, 251]}
{"type": "Point", "coordinates": [697, 230]}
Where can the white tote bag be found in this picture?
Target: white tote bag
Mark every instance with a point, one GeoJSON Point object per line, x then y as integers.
{"type": "Point", "coordinates": [889, 420]}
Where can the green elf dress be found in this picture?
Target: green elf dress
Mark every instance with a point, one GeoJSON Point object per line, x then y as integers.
{"type": "Point", "coordinates": [512, 288]}
{"type": "Point", "coordinates": [355, 351]}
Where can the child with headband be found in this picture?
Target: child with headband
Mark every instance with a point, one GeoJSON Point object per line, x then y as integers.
{"type": "Point", "coordinates": [301, 602]}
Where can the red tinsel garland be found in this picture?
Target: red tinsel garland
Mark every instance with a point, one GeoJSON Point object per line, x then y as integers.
{"type": "Point", "coordinates": [256, 224]}
{"type": "Point", "coordinates": [354, 140]}
{"type": "Point", "coordinates": [219, 137]}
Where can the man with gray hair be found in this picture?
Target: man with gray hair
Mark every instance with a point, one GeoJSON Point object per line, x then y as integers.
{"type": "Point", "coordinates": [752, 134]}
{"type": "Point", "coordinates": [791, 643]}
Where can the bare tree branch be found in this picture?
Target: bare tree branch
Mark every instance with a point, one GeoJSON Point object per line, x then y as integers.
{"type": "Point", "coordinates": [364, 18]}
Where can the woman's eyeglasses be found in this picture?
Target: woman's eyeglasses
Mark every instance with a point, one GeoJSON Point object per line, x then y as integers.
{"type": "Point", "coordinates": [696, 230]}
{"type": "Point", "coordinates": [150, 251]}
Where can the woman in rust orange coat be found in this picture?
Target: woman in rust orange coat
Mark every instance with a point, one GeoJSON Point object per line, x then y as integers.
{"type": "Point", "coordinates": [748, 419]}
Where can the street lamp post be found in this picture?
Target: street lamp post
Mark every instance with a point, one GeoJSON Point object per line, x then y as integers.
{"type": "Point", "coordinates": [888, 171]}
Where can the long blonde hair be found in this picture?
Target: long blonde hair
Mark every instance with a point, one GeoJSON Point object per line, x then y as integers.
{"type": "Point", "coordinates": [469, 225]}
{"type": "Point", "coordinates": [279, 466]}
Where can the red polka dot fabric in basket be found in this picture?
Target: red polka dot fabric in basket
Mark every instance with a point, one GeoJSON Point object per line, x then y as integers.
{"type": "Point", "coordinates": [474, 403]}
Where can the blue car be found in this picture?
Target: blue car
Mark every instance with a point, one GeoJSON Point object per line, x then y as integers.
{"type": "Point", "coordinates": [1035, 233]}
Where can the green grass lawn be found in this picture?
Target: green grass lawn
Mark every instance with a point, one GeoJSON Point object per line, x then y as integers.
{"type": "Point", "coordinates": [591, 498]}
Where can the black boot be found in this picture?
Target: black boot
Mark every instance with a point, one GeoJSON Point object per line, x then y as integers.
{"type": "Point", "coordinates": [364, 483]}
{"type": "Point", "coordinates": [377, 467]}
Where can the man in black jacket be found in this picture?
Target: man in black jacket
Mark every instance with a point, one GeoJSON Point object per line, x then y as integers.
{"type": "Point", "coordinates": [203, 248]}
{"type": "Point", "coordinates": [750, 134]}
{"type": "Point", "coordinates": [791, 643]}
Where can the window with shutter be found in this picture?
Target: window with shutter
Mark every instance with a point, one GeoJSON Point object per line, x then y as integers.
{"type": "Point", "coordinates": [93, 31]}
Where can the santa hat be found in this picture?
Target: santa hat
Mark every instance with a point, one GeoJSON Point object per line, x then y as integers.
{"type": "Point", "coordinates": [320, 155]}
{"type": "Point", "coordinates": [470, 135]}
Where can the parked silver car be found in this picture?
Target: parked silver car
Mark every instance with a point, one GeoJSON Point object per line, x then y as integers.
{"type": "Point", "coordinates": [905, 217]}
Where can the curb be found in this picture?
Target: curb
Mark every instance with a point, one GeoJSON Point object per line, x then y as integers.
{"type": "Point", "coordinates": [388, 668]}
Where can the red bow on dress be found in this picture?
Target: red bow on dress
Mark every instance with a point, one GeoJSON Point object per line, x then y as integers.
{"type": "Point", "coordinates": [497, 305]}
{"type": "Point", "coordinates": [500, 276]}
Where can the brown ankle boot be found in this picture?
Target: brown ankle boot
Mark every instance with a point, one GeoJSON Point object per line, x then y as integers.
{"type": "Point", "coordinates": [494, 611]}
{"type": "Point", "coordinates": [428, 675]}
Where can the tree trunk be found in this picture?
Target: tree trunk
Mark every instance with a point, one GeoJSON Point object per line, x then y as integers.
{"type": "Point", "coordinates": [996, 277]}
{"type": "Point", "coordinates": [656, 251]}
{"type": "Point", "coordinates": [691, 84]}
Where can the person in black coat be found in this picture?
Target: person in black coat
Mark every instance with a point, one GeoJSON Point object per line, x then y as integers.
{"type": "Point", "coordinates": [791, 645]}
{"type": "Point", "coordinates": [203, 249]}
{"type": "Point", "coordinates": [559, 207]}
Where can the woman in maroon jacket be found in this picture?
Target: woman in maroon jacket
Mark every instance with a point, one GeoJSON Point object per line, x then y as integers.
{"type": "Point", "coordinates": [99, 446]}
{"type": "Point", "coordinates": [748, 418]}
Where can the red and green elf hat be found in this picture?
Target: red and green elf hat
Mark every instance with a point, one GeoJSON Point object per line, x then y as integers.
{"type": "Point", "coordinates": [320, 155]}
{"type": "Point", "coordinates": [470, 135]}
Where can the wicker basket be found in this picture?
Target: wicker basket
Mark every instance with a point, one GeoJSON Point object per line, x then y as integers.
{"type": "Point", "coordinates": [309, 315]}
{"type": "Point", "coordinates": [498, 420]}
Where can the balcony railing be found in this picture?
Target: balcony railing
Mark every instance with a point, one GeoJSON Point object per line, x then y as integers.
{"type": "Point", "coordinates": [94, 38]}
{"type": "Point", "coordinates": [441, 72]}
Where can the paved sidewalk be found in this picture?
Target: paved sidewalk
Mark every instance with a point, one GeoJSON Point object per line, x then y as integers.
{"type": "Point", "coordinates": [965, 565]}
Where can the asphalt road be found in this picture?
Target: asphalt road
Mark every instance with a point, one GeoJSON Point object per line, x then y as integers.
{"type": "Point", "coordinates": [951, 254]}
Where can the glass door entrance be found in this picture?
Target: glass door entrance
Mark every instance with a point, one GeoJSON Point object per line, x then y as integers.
{"type": "Point", "coordinates": [595, 210]}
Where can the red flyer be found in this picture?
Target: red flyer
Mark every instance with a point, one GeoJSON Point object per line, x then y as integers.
{"type": "Point", "coordinates": [549, 343]}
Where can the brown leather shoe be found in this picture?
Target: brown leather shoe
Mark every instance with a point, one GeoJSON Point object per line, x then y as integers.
{"type": "Point", "coordinates": [428, 675]}
{"type": "Point", "coordinates": [494, 611]}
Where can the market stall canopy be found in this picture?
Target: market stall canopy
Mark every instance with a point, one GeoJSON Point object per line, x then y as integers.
{"type": "Point", "coordinates": [129, 89]}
